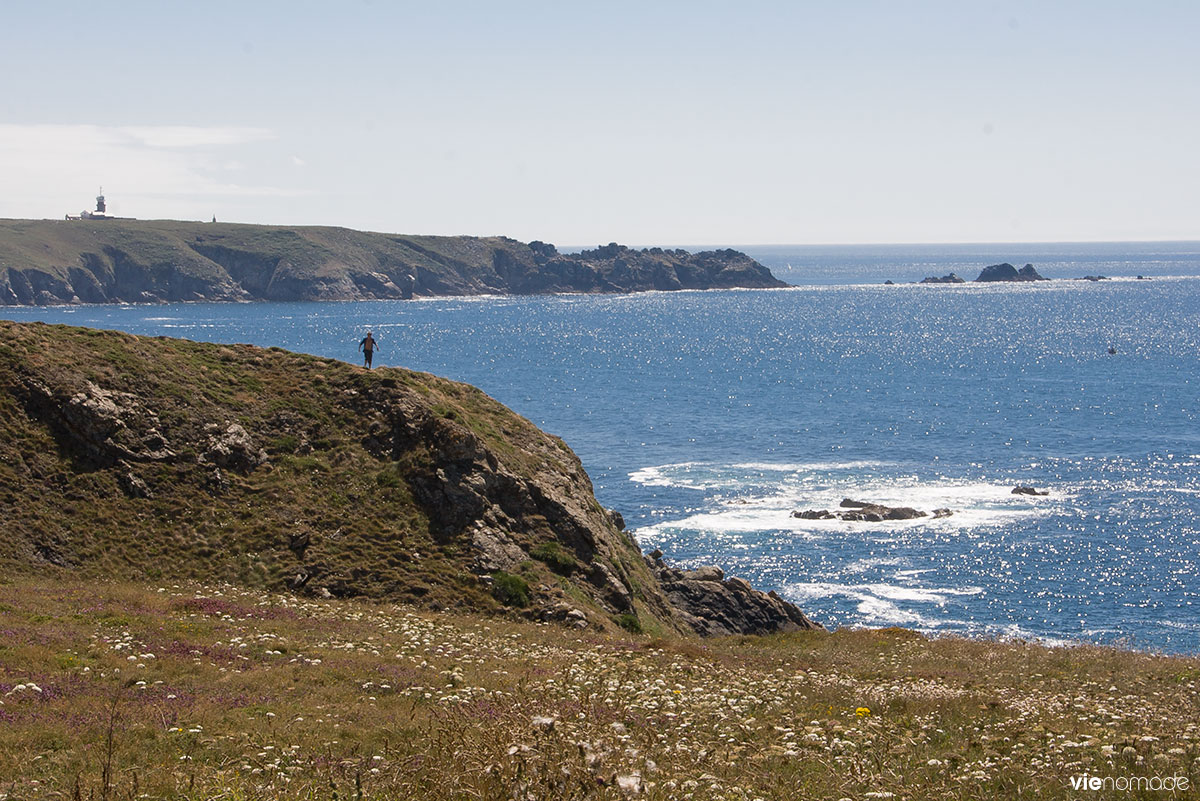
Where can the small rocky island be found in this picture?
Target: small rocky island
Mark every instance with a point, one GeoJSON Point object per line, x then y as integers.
{"type": "Point", "coordinates": [100, 259]}
{"type": "Point", "coordinates": [867, 512]}
{"type": "Point", "coordinates": [1006, 272]}
{"type": "Point", "coordinates": [993, 273]}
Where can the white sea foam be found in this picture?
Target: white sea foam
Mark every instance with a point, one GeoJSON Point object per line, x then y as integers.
{"type": "Point", "coordinates": [733, 519]}
{"type": "Point", "coordinates": [880, 604]}
{"type": "Point", "coordinates": [863, 565]}
{"type": "Point", "coordinates": [785, 467]}
{"type": "Point", "coordinates": [739, 477]}
{"type": "Point", "coordinates": [879, 611]}
{"type": "Point", "coordinates": [907, 574]}
{"type": "Point", "coordinates": [1176, 624]}
{"type": "Point", "coordinates": [751, 501]}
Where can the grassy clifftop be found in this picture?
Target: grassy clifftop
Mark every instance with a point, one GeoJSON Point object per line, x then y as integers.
{"type": "Point", "coordinates": [134, 457]}
{"type": "Point", "coordinates": [97, 261]}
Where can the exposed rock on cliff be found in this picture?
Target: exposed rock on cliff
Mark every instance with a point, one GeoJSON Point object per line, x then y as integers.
{"type": "Point", "coordinates": [100, 261]}
{"type": "Point", "coordinates": [134, 457]}
{"type": "Point", "coordinates": [713, 605]}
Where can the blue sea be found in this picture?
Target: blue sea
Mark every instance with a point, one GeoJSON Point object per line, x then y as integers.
{"type": "Point", "coordinates": [706, 418]}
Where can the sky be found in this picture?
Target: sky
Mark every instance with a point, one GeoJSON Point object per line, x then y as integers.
{"type": "Point", "coordinates": [646, 123]}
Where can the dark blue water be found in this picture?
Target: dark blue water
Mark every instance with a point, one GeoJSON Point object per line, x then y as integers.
{"type": "Point", "coordinates": [707, 417]}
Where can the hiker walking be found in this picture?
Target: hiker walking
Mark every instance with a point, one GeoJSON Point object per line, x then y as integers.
{"type": "Point", "coordinates": [368, 346]}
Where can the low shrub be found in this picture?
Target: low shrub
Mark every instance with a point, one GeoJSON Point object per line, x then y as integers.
{"type": "Point", "coordinates": [630, 623]}
{"type": "Point", "coordinates": [510, 590]}
{"type": "Point", "coordinates": [554, 557]}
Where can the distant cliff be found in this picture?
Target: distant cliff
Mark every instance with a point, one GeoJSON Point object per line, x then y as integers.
{"type": "Point", "coordinates": [44, 262]}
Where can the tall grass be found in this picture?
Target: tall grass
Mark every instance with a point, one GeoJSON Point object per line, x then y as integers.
{"type": "Point", "coordinates": [124, 691]}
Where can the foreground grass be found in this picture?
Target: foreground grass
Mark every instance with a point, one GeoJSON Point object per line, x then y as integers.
{"type": "Point", "coordinates": [124, 691]}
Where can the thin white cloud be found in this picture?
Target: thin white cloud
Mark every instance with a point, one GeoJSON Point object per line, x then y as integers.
{"type": "Point", "coordinates": [185, 136]}
{"type": "Point", "coordinates": [49, 170]}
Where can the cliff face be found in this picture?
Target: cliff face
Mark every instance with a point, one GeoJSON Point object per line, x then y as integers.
{"type": "Point", "coordinates": [137, 457]}
{"type": "Point", "coordinates": [103, 261]}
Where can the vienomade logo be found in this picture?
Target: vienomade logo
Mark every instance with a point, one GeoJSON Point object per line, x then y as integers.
{"type": "Point", "coordinates": [1130, 783]}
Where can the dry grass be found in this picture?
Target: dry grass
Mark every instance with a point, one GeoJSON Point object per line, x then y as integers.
{"type": "Point", "coordinates": [215, 692]}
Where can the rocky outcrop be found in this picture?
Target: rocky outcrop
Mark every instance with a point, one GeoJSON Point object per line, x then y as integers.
{"type": "Point", "coordinates": [1006, 272]}
{"type": "Point", "coordinates": [56, 262]}
{"type": "Point", "coordinates": [1024, 490]}
{"type": "Point", "coordinates": [230, 446]}
{"type": "Point", "coordinates": [103, 426]}
{"type": "Point", "coordinates": [865, 512]}
{"type": "Point", "coordinates": [713, 605]}
{"type": "Point", "coordinates": [945, 279]}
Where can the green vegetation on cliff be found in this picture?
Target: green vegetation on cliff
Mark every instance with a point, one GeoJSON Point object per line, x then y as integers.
{"type": "Point", "coordinates": [97, 261]}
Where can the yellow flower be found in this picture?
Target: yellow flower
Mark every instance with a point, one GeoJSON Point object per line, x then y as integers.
{"type": "Point", "coordinates": [862, 712]}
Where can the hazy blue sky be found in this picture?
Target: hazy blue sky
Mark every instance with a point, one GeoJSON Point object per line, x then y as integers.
{"type": "Point", "coordinates": [642, 122]}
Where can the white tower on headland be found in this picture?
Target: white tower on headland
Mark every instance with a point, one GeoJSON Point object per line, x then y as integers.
{"type": "Point", "coordinates": [101, 212]}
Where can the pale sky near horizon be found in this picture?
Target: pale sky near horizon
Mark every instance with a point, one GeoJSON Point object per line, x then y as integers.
{"type": "Point", "coordinates": [639, 122]}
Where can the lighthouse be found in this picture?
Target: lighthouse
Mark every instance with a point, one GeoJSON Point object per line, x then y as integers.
{"type": "Point", "coordinates": [101, 212]}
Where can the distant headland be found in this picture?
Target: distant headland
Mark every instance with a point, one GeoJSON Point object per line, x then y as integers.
{"type": "Point", "coordinates": [95, 258]}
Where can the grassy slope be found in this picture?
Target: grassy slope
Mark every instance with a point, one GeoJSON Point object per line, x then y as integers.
{"type": "Point", "coordinates": [214, 692]}
{"type": "Point", "coordinates": [315, 417]}
{"type": "Point", "coordinates": [54, 246]}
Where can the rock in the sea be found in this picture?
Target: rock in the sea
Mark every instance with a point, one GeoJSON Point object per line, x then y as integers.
{"type": "Point", "coordinates": [945, 279]}
{"type": "Point", "coordinates": [874, 512]}
{"type": "Point", "coordinates": [865, 512]}
{"type": "Point", "coordinates": [1006, 272]}
{"type": "Point", "coordinates": [1023, 490]}
{"type": "Point", "coordinates": [1094, 278]}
